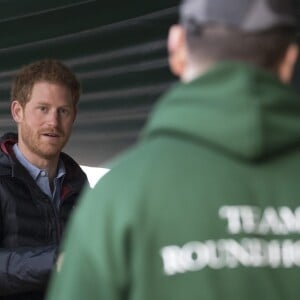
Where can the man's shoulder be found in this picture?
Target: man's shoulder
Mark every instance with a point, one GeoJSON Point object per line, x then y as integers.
{"type": "Point", "coordinates": [6, 143]}
{"type": "Point", "coordinates": [74, 172]}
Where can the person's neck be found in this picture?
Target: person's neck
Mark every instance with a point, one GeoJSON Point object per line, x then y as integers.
{"type": "Point", "coordinates": [48, 164]}
{"type": "Point", "coordinates": [194, 70]}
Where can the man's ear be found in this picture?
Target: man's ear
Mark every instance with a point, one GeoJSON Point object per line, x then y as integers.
{"type": "Point", "coordinates": [286, 67]}
{"type": "Point", "coordinates": [177, 50]}
{"type": "Point", "coordinates": [75, 114]}
{"type": "Point", "coordinates": [16, 111]}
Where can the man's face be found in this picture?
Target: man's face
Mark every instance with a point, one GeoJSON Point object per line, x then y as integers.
{"type": "Point", "coordinates": [45, 123]}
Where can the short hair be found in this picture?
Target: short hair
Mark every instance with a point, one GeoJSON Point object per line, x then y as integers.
{"type": "Point", "coordinates": [215, 43]}
{"type": "Point", "coordinates": [48, 70]}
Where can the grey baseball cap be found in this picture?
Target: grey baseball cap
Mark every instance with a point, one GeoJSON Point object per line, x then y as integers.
{"type": "Point", "coordinates": [246, 15]}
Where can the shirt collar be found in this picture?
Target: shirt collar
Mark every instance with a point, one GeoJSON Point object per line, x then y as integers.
{"type": "Point", "coordinates": [32, 169]}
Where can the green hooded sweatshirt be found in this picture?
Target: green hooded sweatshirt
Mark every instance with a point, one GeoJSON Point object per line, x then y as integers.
{"type": "Point", "coordinates": [205, 206]}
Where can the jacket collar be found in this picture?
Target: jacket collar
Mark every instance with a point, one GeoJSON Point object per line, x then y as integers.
{"type": "Point", "coordinates": [74, 180]}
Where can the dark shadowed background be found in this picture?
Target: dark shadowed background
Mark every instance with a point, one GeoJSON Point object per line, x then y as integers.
{"type": "Point", "coordinates": [116, 48]}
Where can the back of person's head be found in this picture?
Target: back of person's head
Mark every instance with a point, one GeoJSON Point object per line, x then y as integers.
{"type": "Point", "coordinates": [254, 31]}
{"type": "Point", "coordinates": [48, 70]}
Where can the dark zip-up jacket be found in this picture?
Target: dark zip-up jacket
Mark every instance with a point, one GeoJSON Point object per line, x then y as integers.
{"type": "Point", "coordinates": [30, 225]}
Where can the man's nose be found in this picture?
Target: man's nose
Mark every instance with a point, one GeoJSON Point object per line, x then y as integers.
{"type": "Point", "coordinates": [53, 117]}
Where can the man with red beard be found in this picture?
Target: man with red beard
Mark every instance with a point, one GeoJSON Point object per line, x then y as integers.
{"type": "Point", "coordinates": [39, 184]}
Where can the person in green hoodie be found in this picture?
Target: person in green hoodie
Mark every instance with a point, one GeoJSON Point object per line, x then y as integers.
{"type": "Point", "coordinates": [207, 204]}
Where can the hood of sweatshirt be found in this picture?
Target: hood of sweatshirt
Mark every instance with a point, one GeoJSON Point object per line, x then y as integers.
{"type": "Point", "coordinates": [234, 106]}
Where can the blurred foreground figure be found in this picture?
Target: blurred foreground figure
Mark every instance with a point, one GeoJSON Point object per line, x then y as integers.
{"type": "Point", "coordinates": [39, 184]}
{"type": "Point", "coordinates": [207, 204]}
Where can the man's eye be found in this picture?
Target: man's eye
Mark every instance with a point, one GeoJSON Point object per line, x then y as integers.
{"type": "Point", "coordinates": [64, 111]}
{"type": "Point", "coordinates": [42, 108]}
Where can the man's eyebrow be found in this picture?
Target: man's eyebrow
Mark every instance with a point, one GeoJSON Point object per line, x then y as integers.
{"type": "Point", "coordinates": [50, 103]}
{"type": "Point", "coordinates": [42, 103]}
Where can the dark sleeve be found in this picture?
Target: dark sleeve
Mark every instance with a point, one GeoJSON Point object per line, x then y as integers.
{"type": "Point", "coordinates": [25, 269]}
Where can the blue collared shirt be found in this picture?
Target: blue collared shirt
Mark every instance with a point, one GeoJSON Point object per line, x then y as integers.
{"type": "Point", "coordinates": [41, 176]}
